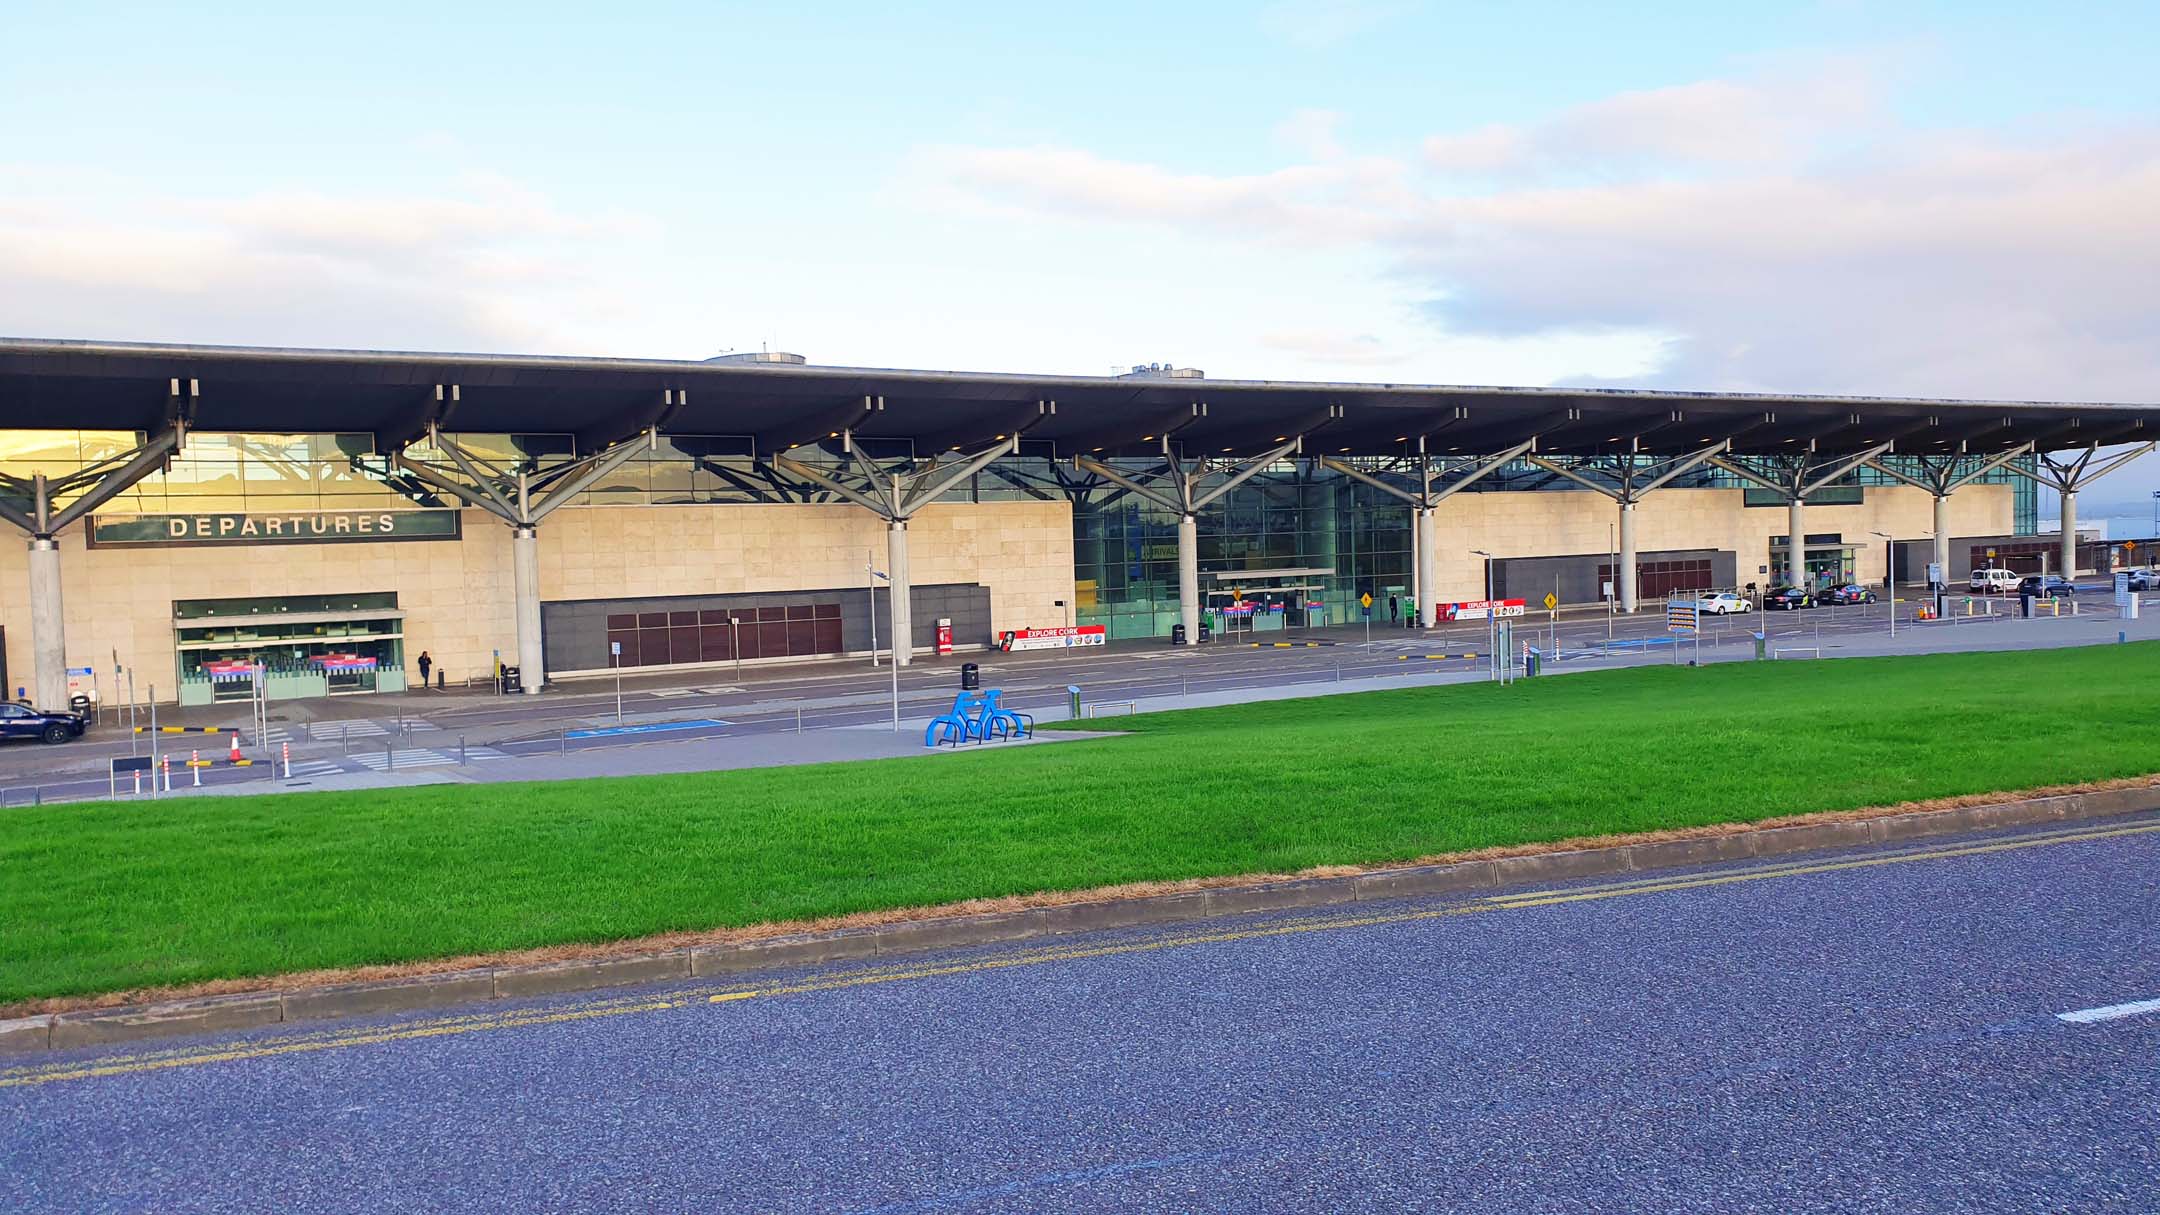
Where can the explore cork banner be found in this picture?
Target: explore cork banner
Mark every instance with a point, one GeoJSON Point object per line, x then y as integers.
{"type": "Point", "coordinates": [268, 527]}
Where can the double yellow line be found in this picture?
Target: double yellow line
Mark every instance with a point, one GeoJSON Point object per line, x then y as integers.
{"type": "Point", "coordinates": [340, 1039]}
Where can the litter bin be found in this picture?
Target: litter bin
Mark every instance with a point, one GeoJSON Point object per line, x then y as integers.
{"type": "Point", "coordinates": [970, 677]}
{"type": "Point", "coordinates": [1205, 631]}
{"type": "Point", "coordinates": [1072, 695]}
{"type": "Point", "coordinates": [79, 704]}
{"type": "Point", "coordinates": [1532, 662]}
{"type": "Point", "coordinates": [1177, 634]}
{"type": "Point", "coordinates": [511, 682]}
{"type": "Point", "coordinates": [2025, 604]}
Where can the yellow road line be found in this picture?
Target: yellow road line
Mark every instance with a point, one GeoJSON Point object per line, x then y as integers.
{"type": "Point", "coordinates": [339, 1039]}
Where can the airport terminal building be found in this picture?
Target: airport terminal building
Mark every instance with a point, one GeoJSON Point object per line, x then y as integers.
{"type": "Point", "coordinates": [201, 517]}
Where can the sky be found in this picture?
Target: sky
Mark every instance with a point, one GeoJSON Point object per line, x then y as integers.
{"type": "Point", "coordinates": [1849, 197]}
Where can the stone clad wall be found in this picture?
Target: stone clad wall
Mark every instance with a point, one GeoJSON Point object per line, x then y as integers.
{"type": "Point", "coordinates": [457, 594]}
{"type": "Point", "coordinates": [1540, 524]}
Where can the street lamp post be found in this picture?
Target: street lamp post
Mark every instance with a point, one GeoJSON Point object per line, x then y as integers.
{"type": "Point", "coordinates": [1492, 614]}
{"type": "Point", "coordinates": [892, 627]}
{"type": "Point", "coordinates": [1889, 578]}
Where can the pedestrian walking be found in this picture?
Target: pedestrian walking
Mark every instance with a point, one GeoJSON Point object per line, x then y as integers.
{"type": "Point", "coordinates": [426, 664]}
{"type": "Point", "coordinates": [1394, 608]}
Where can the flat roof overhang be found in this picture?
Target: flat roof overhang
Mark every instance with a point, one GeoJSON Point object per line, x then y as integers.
{"type": "Point", "coordinates": [96, 385]}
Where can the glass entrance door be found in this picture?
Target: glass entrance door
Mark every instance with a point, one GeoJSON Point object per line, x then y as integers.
{"type": "Point", "coordinates": [1828, 565]}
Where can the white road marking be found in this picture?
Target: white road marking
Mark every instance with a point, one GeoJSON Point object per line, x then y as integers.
{"type": "Point", "coordinates": [2111, 1012]}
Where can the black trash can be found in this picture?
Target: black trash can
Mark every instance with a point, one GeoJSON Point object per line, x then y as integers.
{"type": "Point", "coordinates": [511, 682]}
{"type": "Point", "coordinates": [970, 677]}
{"type": "Point", "coordinates": [1177, 634]}
{"type": "Point", "coordinates": [1205, 632]}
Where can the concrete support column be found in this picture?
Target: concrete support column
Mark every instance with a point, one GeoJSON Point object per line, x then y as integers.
{"type": "Point", "coordinates": [1188, 576]}
{"type": "Point", "coordinates": [1796, 541]}
{"type": "Point", "coordinates": [901, 593]}
{"type": "Point", "coordinates": [1624, 577]}
{"type": "Point", "coordinates": [1428, 568]}
{"type": "Point", "coordinates": [525, 585]}
{"type": "Point", "coordinates": [1942, 537]}
{"type": "Point", "coordinates": [2069, 533]}
{"type": "Point", "coordinates": [48, 631]}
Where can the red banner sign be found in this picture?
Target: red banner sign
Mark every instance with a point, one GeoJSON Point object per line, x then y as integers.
{"type": "Point", "coordinates": [1053, 639]}
{"type": "Point", "coordinates": [1481, 609]}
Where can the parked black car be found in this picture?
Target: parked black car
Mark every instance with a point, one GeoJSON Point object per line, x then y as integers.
{"type": "Point", "coordinates": [22, 721]}
{"type": "Point", "coordinates": [2046, 586]}
{"type": "Point", "coordinates": [1851, 592]}
{"type": "Point", "coordinates": [1787, 599]}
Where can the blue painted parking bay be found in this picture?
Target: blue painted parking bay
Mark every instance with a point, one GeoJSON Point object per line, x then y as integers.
{"type": "Point", "coordinates": [658, 727]}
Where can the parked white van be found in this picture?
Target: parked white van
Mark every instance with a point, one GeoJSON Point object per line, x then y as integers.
{"type": "Point", "coordinates": [2003, 581]}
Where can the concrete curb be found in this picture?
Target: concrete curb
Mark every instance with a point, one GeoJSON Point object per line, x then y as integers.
{"type": "Point", "coordinates": [245, 1011]}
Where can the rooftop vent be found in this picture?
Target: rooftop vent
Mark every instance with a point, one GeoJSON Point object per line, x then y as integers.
{"type": "Point", "coordinates": [761, 356]}
{"type": "Point", "coordinates": [1162, 371]}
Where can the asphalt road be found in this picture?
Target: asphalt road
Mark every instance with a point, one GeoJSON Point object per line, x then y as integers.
{"type": "Point", "coordinates": [1852, 1033]}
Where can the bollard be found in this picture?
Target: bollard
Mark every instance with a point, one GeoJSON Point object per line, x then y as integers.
{"type": "Point", "coordinates": [389, 758]}
{"type": "Point", "coordinates": [288, 761]}
{"type": "Point", "coordinates": [798, 719]}
{"type": "Point", "coordinates": [461, 750]}
{"type": "Point", "coordinates": [562, 740]}
{"type": "Point", "coordinates": [194, 764]}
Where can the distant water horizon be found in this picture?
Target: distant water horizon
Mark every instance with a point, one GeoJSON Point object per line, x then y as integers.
{"type": "Point", "coordinates": [2119, 527]}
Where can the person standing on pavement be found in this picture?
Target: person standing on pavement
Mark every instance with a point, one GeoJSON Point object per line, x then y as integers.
{"type": "Point", "coordinates": [426, 664]}
{"type": "Point", "coordinates": [1394, 609]}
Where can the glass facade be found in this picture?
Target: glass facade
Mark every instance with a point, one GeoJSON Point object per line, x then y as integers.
{"type": "Point", "coordinates": [300, 645]}
{"type": "Point", "coordinates": [1285, 519]}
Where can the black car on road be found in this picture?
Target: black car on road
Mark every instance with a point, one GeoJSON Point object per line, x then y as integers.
{"type": "Point", "coordinates": [2046, 586]}
{"type": "Point", "coordinates": [1787, 599]}
{"type": "Point", "coordinates": [1851, 592]}
{"type": "Point", "coordinates": [22, 721]}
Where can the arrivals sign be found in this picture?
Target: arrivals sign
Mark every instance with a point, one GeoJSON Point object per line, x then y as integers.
{"type": "Point", "coordinates": [266, 527]}
{"type": "Point", "coordinates": [1053, 639]}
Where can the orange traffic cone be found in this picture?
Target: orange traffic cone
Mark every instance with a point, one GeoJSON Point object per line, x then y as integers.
{"type": "Point", "coordinates": [235, 756]}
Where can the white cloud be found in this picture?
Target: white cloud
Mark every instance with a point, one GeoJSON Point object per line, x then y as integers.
{"type": "Point", "coordinates": [486, 265]}
{"type": "Point", "coordinates": [1335, 347]}
{"type": "Point", "coordinates": [1320, 24]}
{"type": "Point", "coordinates": [1779, 233]}
{"type": "Point", "coordinates": [1746, 124]}
{"type": "Point", "coordinates": [1312, 133]}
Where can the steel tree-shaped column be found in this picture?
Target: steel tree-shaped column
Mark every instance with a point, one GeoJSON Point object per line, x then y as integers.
{"type": "Point", "coordinates": [1425, 471]}
{"type": "Point", "coordinates": [895, 494]}
{"type": "Point", "coordinates": [44, 506]}
{"type": "Point", "coordinates": [2067, 476]}
{"type": "Point", "coordinates": [1795, 477]}
{"type": "Point", "coordinates": [1940, 476]}
{"type": "Point", "coordinates": [1176, 486]}
{"type": "Point", "coordinates": [1627, 483]}
{"type": "Point", "coordinates": [521, 495]}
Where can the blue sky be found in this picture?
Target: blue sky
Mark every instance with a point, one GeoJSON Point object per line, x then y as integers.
{"type": "Point", "coordinates": [1921, 198]}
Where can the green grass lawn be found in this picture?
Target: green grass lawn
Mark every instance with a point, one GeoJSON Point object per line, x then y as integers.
{"type": "Point", "coordinates": [108, 897]}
